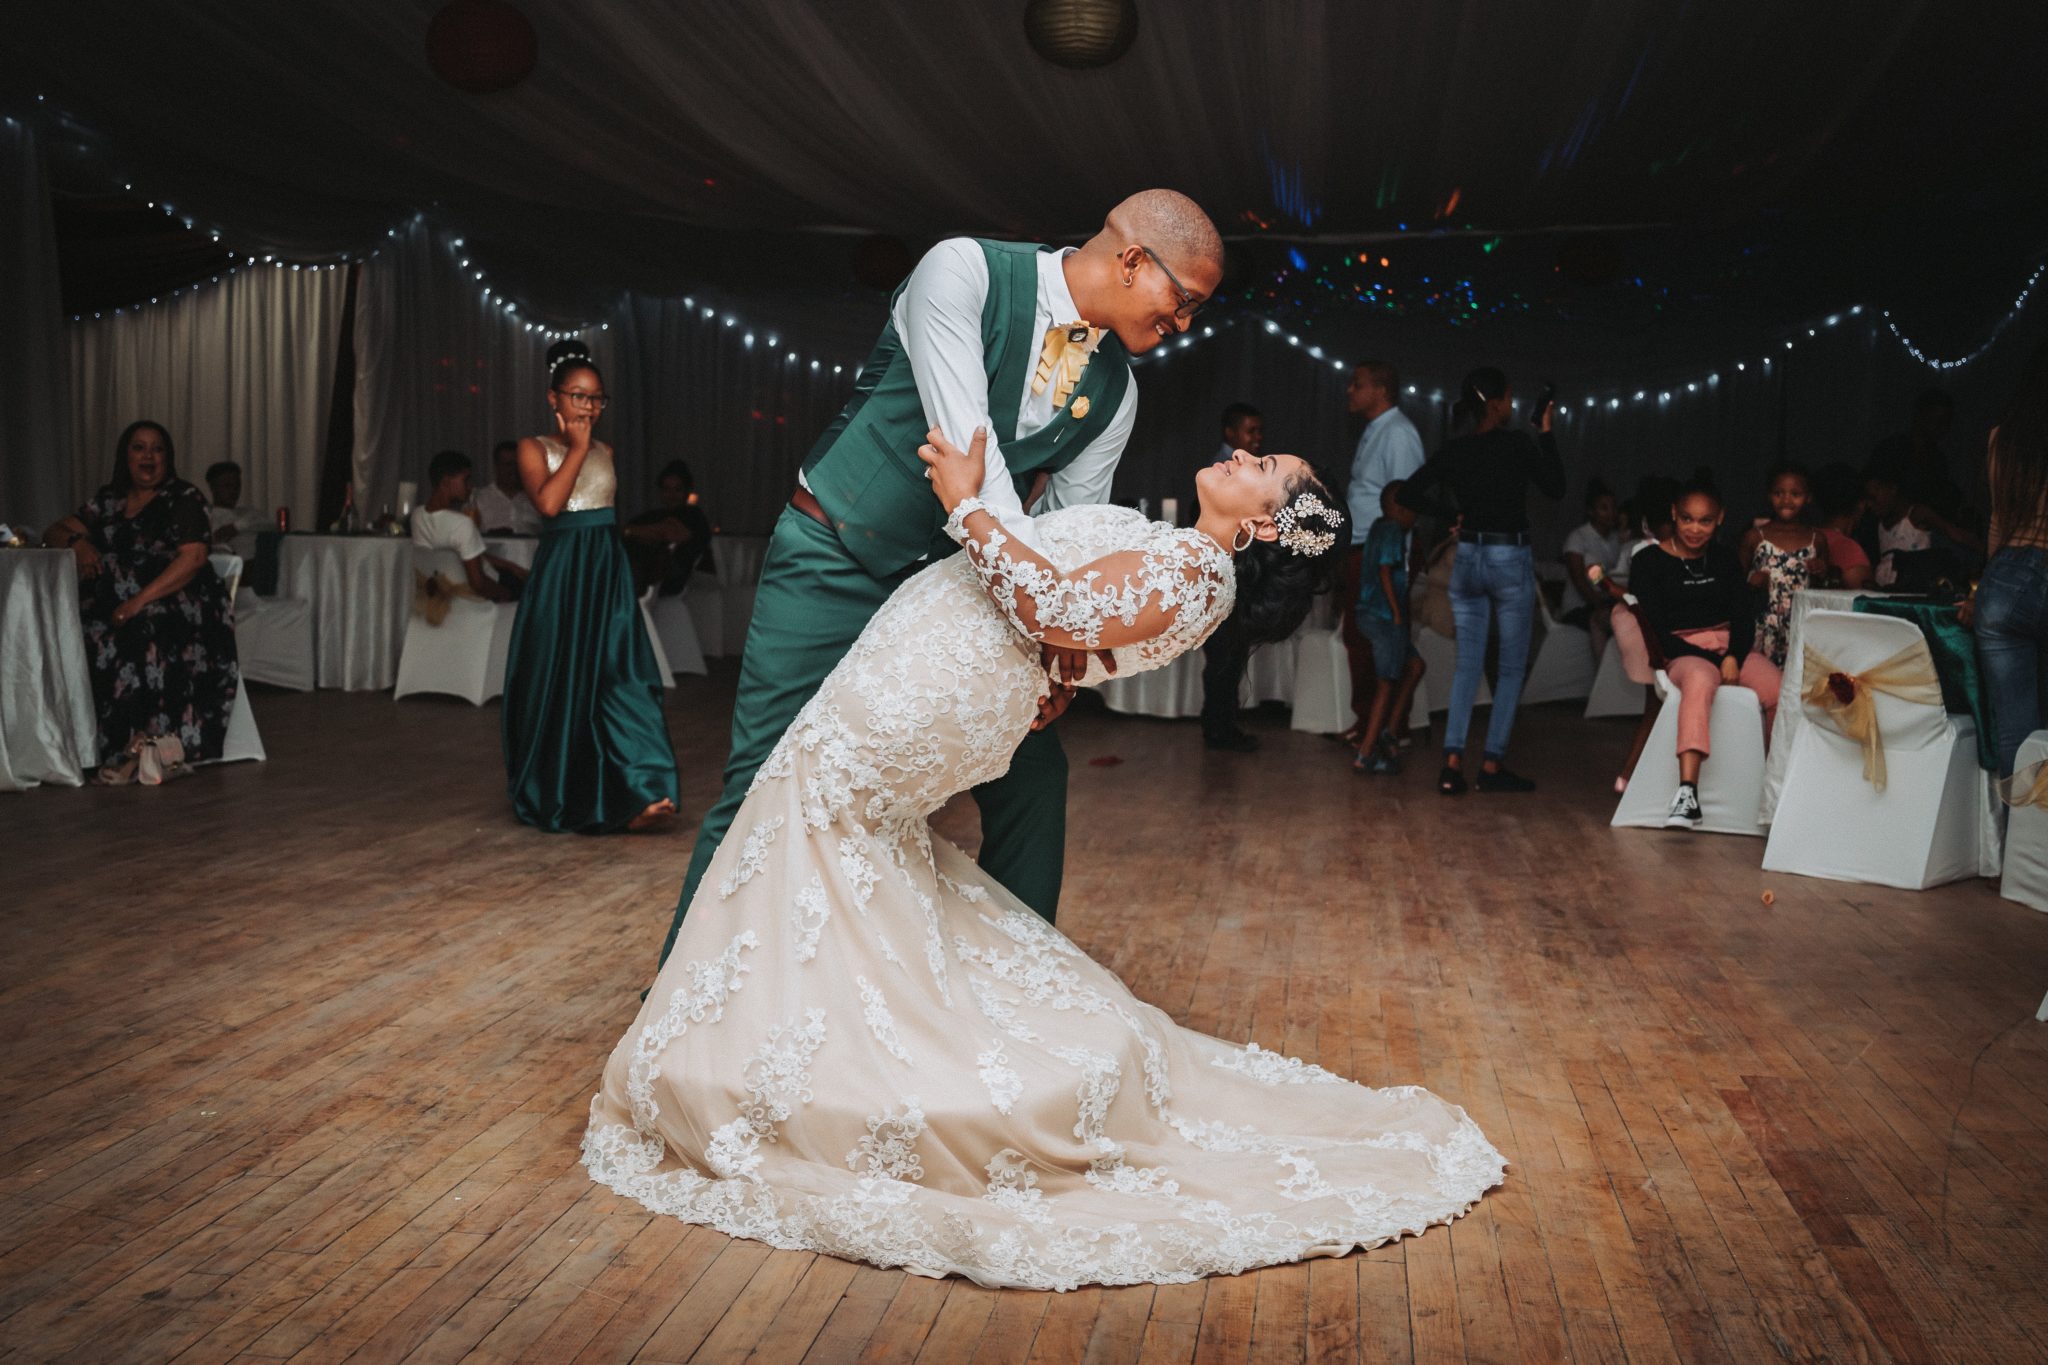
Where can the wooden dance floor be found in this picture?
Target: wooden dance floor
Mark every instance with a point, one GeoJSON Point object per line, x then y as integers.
{"type": "Point", "coordinates": [298, 1056]}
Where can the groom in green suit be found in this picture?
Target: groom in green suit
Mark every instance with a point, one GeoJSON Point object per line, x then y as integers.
{"type": "Point", "coordinates": [1033, 344]}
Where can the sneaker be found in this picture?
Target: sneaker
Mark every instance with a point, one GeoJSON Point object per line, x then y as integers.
{"type": "Point", "coordinates": [1501, 780]}
{"type": "Point", "coordinates": [1685, 808]}
{"type": "Point", "coordinates": [1384, 765]}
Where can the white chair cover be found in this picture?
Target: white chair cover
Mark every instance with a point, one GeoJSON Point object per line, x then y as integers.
{"type": "Point", "coordinates": [1322, 683]}
{"type": "Point", "coordinates": [1563, 667]}
{"type": "Point", "coordinates": [1731, 779]}
{"type": "Point", "coordinates": [464, 656]}
{"type": "Point", "coordinates": [647, 601]}
{"type": "Point", "coordinates": [48, 729]}
{"type": "Point", "coordinates": [2026, 838]}
{"type": "Point", "coordinates": [706, 603]}
{"type": "Point", "coordinates": [243, 743]}
{"type": "Point", "coordinates": [1934, 821]}
{"type": "Point", "coordinates": [1613, 692]}
{"type": "Point", "coordinates": [677, 633]}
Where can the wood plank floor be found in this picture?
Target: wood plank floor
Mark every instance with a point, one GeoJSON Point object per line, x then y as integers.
{"type": "Point", "coordinates": [298, 1055]}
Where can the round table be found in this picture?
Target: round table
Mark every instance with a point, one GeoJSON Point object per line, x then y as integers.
{"type": "Point", "coordinates": [48, 732]}
{"type": "Point", "coordinates": [360, 588]}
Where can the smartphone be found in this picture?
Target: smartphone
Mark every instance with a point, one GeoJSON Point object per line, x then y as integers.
{"type": "Point", "coordinates": [1549, 397]}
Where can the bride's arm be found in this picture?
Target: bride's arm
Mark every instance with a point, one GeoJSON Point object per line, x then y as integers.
{"type": "Point", "coordinates": [1119, 599]}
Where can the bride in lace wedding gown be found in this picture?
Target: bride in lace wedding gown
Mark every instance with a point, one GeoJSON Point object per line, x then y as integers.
{"type": "Point", "coordinates": [861, 1046]}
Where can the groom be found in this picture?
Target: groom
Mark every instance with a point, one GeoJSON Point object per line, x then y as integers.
{"type": "Point", "coordinates": [1033, 344]}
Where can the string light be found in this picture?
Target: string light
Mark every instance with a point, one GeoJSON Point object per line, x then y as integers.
{"type": "Point", "coordinates": [1936, 362]}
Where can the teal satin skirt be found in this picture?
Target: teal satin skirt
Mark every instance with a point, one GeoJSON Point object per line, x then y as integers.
{"type": "Point", "coordinates": [586, 748]}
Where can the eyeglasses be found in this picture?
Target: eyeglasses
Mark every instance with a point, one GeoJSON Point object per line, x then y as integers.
{"type": "Point", "coordinates": [1189, 304]}
{"type": "Point", "coordinates": [584, 400]}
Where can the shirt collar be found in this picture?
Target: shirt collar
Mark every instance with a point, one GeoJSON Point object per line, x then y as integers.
{"type": "Point", "coordinates": [1053, 295]}
{"type": "Point", "coordinates": [1383, 417]}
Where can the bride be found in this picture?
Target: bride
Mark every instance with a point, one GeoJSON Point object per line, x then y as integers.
{"type": "Point", "coordinates": [861, 1046]}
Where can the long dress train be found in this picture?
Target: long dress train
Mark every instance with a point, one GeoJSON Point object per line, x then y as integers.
{"type": "Point", "coordinates": [863, 1047]}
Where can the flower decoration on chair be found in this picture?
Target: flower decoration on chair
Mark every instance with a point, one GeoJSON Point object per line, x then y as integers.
{"type": "Point", "coordinates": [1845, 701]}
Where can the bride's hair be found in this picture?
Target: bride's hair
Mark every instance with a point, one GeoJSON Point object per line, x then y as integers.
{"type": "Point", "coordinates": [567, 356]}
{"type": "Point", "coordinates": [1277, 582]}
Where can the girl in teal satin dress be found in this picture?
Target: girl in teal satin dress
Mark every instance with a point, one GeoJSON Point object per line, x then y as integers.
{"type": "Point", "coordinates": [586, 747]}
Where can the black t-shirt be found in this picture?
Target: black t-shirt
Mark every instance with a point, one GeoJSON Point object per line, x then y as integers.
{"type": "Point", "coordinates": [1676, 594]}
{"type": "Point", "coordinates": [1488, 474]}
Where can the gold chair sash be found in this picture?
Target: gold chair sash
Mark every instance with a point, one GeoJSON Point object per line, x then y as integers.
{"type": "Point", "coordinates": [433, 594]}
{"type": "Point", "coordinates": [1844, 699]}
{"type": "Point", "coordinates": [2027, 786]}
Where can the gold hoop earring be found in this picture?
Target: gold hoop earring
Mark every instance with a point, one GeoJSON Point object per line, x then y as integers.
{"type": "Point", "coordinates": [1248, 539]}
{"type": "Point", "coordinates": [1127, 281]}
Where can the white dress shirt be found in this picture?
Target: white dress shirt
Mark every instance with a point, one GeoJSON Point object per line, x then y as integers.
{"type": "Point", "coordinates": [245, 519]}
{"type": "Point", "coordinates": [514, 511]}
{"type": "Point", "coordinates": [938, 320]}
{"type": "Point", "coordinates": [1389, 448]}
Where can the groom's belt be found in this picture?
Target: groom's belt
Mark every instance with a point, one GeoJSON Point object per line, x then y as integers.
{"type": "Point", "coordinates": [803, 502]}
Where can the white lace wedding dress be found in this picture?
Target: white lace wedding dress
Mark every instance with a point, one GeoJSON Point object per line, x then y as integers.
{"type": "Point", "coordinates": [861, 1046]}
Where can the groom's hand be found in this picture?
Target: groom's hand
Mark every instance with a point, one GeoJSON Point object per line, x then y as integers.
{"type": "Point", "coordinates": [1052, 705]}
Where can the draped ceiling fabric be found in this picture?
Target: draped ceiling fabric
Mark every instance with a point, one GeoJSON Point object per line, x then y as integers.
{"type": "Point", "coordinates": [34, 417]}
{"type": "Point", "coordinates": [1622, 193]}
{"type": "Point", "coordinates": [439, 367]}
{"type": "Point", "coordinates": [242, 370]}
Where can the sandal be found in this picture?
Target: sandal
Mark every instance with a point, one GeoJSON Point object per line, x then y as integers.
{"type": "Point", "coordinates": [1450, 782]}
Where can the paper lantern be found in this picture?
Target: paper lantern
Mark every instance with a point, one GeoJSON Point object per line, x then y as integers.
{"type": "Point", "coordinates": [1078, 34]}
{"type": "Point", "coordinates": [481, 46]}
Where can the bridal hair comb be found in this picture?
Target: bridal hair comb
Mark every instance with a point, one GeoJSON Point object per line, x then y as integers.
{"type": "Point", "coordinates": [1300, 538]}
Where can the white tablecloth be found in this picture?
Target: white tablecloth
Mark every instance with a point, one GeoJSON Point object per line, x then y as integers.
{"type": "Point", "coordinates": [361, 589]}
{"type": "Point", "coordinates": [1176, 690]}
{"type": "Point", "coordinates": [1790, 714]}
{"type": "Point", "coordinates": [47, 731]}
{"type": "Point", "coordinates": [738, 558]}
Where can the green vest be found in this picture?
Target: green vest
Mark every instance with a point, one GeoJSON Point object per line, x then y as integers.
{"type": "Point", "coordinates": [864, 470]}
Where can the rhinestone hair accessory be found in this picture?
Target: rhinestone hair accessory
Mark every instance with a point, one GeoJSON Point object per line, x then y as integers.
{"type": "Point", "coordinates": [1302, 539]}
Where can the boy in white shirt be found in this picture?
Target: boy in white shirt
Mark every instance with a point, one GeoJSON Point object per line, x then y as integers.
{"type": "Point", "coordinates": [502, 506]}
{"type": "Point", "coordinates": [231, 520]}
{"type": "Point", "coordinates": [438, 524]}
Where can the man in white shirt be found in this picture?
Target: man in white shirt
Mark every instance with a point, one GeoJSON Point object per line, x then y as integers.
{"type": "Point", "coordinates": [1226, 652]}
{"type": "Point", "coordinates": [1031, 345]}
{"type": "Point", "coordinates": [439, 523]}
{"type": "Point", "coordinates": [1389, 448]}
{"type": "Point", "coordinates": [502, 507]}
{"type": "Point", "coordinates": [1597, 540]}
{"type": "Point", "coordinates": [234, 523]}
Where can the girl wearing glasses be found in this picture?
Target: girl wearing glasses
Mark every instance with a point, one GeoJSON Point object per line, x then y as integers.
{"type": "Point", "coordinates": [586, 748]}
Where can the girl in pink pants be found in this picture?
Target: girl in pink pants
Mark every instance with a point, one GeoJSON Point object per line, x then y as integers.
{"type": "Point", "coordinates": [1694, 598]}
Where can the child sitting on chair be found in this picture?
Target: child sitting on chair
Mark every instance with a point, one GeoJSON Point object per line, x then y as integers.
{"type": "Point", "coordinates": [1694, 599]}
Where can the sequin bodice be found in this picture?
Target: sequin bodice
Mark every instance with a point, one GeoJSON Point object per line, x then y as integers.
{"type": "Point", "coordinates": [597, 483]}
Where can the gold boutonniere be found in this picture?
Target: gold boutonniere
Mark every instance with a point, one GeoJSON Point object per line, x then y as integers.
{"type": "Point", "coordinates": [1067, 350]}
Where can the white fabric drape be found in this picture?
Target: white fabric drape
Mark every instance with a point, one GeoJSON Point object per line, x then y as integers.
{"type": "Point", "coordinates": [438, 366]}
{"type": "Point", "coordinates": [33, 412]}
{"type": "Point", "coordinates": [48, 732]}
{"type": "Point", "coordinates": [241, 370]}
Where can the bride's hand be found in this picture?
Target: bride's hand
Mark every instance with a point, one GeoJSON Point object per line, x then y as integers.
{"type": "Point", "coordinates": [956, 474]}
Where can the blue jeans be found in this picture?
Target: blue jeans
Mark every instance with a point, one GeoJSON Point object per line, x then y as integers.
{"type": "Point", "coordinates": [2012, 647]}
{"type": "Point", "coordinates": [1488, 580]}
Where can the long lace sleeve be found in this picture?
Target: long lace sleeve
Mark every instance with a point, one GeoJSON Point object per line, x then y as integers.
{"type": "Point", "coordinates": [1173, 587]}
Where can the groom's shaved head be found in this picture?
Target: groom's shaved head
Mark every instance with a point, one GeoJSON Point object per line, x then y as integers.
{"type": "Point", "coordinates": [1170, 223]}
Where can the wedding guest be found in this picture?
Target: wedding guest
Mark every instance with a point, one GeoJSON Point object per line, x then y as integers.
{"type": "Point", "coordinates": [1388, 449]}
{"type": "Point", "coordinates": [159, 633]}
{"type": "Point", "coordinates": [229, 517]}
{"type": "Point", "coordinates": [502, 507]}
{"type": "Point", "coordinates": [2009, 610]}
{"type": "Point", "coordinates": [1903, 527]}
{"type": "Point", "coordinates": [1639, 661]}
{"type": "Point", "coordinates": [586, 746]}
{"type": "Point", "coordinates": [1382, 611]}
{"type": "Point", "coordinates": [1597, 541]}
{"type": "Point", "coordinates": [1226, 652]}
{"type": "Point", "coordinates": [1489, 472]}
{"type": "Point", "coordinates": [1694, 600]}
{"type": "Point", "coordinates": [671, 540]}
{"type": "Point", "coordinates": [440, 524]}
{"type": "Point", "coordinates": [1785, 554]}
{"type": "Point", "coordinates": [1837, 507]}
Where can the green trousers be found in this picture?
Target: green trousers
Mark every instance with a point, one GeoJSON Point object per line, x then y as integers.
{"type": "Point", "coordinates": [812, 604]}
